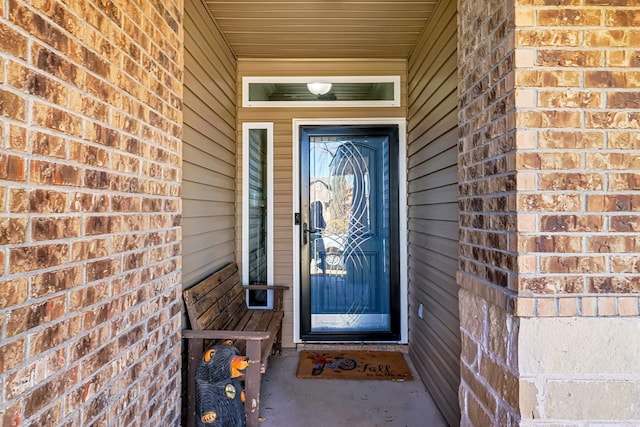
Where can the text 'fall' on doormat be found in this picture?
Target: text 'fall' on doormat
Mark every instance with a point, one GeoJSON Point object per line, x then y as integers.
{"type": "Point", "coordinates": [353, 365]}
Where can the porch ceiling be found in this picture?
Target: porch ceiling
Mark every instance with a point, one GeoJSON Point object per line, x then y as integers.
{"type": "Point", "coordinates": [321, 28]}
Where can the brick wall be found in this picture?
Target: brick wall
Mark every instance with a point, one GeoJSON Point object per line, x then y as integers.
{"type": "Point", "coordinates": [488, 229]}
{"type": "Point", "coordinates": [577, 78]}
{"type": "Point", "coordinates": [90, 181]}
{"type": "Point", "coordinates": [550, 149]}
{"type": "Point", "coordinates": [578, 120]}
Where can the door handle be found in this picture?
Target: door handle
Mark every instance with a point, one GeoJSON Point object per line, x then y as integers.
{"type": "Point", "coordinates": [305, 232]}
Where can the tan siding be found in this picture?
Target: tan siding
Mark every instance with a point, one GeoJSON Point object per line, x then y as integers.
{"type": "Point", "coordinates": [434, 342]}
{"type": "Point", "coordinates": [283, 135]}
{"type": "Point", "coordinates": [209, 147]}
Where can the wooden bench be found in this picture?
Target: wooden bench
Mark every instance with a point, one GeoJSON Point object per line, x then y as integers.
{"type": "Point", "coordinates": [217, 312]}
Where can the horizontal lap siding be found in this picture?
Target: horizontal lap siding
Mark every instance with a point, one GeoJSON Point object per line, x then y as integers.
{"type": "Point", "coordinates": [434, 341]}
{"type": "Point", "coordinates": [209, 147]}
{"type": "Point", "coordinates": [283, 148]}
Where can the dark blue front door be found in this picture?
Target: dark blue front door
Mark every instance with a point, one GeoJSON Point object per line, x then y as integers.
{"type": "Point", "coordinates": [349, 254]}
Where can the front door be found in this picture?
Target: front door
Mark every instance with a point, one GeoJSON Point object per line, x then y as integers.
{"type": "Point", "coordinates": [349, 274]}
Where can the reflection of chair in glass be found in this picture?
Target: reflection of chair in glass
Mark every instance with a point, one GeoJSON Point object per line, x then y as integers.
{"type": "Point", "coordinates": [317, 242]}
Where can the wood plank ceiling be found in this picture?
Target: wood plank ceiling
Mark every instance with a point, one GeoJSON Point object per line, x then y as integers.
{"type": "Point", "coordinates": [321, 28]}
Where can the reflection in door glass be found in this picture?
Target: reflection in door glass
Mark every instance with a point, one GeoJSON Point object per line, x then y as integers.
{"type": "Point", "coordinates": [257, 201]}
{"type": "Point", "coordinates": [349, 233]}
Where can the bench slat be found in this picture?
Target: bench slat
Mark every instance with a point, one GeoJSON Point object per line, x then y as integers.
{"type": "Point", "coordinates": [207, 298]}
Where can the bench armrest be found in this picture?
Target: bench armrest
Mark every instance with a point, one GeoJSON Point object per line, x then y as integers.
{"type": "Point", "coordinates": [222, 334]}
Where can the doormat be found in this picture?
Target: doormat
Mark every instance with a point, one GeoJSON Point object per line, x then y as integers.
{"type": "Point", "coordinates": [353, 365]}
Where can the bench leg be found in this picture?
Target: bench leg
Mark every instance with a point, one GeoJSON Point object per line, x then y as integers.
{"type": "Point", "coordinates": [278, 343]}
{"type": "Point", "coordinates": [194, 353]}
{"type": "Point", "coordinates": [252, 384]}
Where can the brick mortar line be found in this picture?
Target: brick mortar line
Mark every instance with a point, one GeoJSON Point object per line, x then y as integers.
{"type": "Point", "coordinates": [82, 381]}
{"type": "Point", "coordinates": [120, 90]}
{"type": "Point", "coordinates": [87, 285]}
{"type": "Point", "coordinates": [32, 100]}
{"type": "Point", "coordinates": [112, 23]}
{"type": "Point", "coordinates": [84, 237]}
{"type": "Point", "coordinates": [27, 335]}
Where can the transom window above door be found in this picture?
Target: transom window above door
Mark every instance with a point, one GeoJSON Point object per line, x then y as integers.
{"type": "Point", "coordinates": [321, 91]}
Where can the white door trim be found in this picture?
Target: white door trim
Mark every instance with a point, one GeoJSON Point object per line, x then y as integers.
{"type": "Point", "coordinates": [402, 194]}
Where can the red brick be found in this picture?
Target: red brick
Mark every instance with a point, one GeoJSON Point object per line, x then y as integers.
{"type": "Point", "coordinates": [569, 17]}
{"type": "Point", "coordinates": [549, 202]}
{"type": "Point", "coordinates": [569, 223]}
{"type": "Point", "coordinates": [623, 100]}
{"type": "Point", "coordinates": [40, 201]}
{"type": "Point", "coordinates": [100, 269]}
{"type": "Point", "coordinates": [47, 392]}
{"type": "Point", "coordinates": [55, 228]}
{"type": "Point", "coordinates": [18, 138]}
{"type": "Point", "coordinates": [569, 139]}
{"type": "Point", "coordinates": [51, 416]}
{"type": "Point", "coordinates": [12, 230]}
{"type": "Point", "coordinates": [569, 99]}
{"type": "Point", "coordinates": [612, 38]}
{"type": "Point", "coordinates": [13, 292]}
{"type": "Point", "coordinates": [49, 145]}
{"type": "Point", "coordinates": [12, 416]}
{"type": "Point", "coordinates": [37, 257]}
{"type": "Point", "coordinates": [573, 264]}
{"type": "Point", "coordinates": [622, 18]}
{"type": "Point", "coordinates": [12, 106]}
{"type": "Point", "coordinates": [625, 223]}
{"type": "Point", "coordinates": [549, 119]}
{"type": "Point", "coordinates": [57, 119]}
{"type": "Point", "coordinates": [57, 65]}
{"type": "Point", "coordinates": [38, 314]}
{"type": "Point", "coordinates": [12, 167]}
{"type": "Point", "coordinates": [569, 58]}
{"type": "Point", "coordinates": [55, 281]}
{"type": "Point", "coordinates": [88, 154]}
{"type": "Point", "coordinates": [612, 79]}
{"type": "Point", "coordinates": [43, 172]}
{"type": "Point", "coordinates": [623, 58]}
{"type": "Point", "coordinates": [612, 244]}
{"type": "Point", "coordinates": [610, 285]}
{"type": "Point", "coordinates": [52, 336]}
{"type": "Point", "coordinates": [98, 248]}
{"type": "Point", "coordinates": [89, 202]}
{"type": "Point", "coordinates": [547, 38]}
{"type": "Point", "coordinates": [550, 243]}
{"type": "Point", "coordinates": [12, 42]}
{"type": "Point", "coordinates": [612, 120]}
{"type": "Point", "coordinates": [625, 264]}
{"type": "Point", "coordinates": [571, 181]}
{"type": "Point", "coordinates": [96, 225]}
{"type": "Point", "coordinates": [624, 140]}
{"type": "Point", "coordinates": [622, 203]}
{"type": "Point", "coordinates": [547, 79]}
{"type": "Point", "coordinates": [624, 181]}
{"type": "Point", "coordinates": [552, 284]}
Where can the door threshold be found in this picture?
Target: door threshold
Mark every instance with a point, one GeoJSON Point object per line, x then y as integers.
{"type": "Point", "coordinates": [362, 346]}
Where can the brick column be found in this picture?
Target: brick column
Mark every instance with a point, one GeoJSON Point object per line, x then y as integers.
{"type": "Point", "coordinates": [550, 195]}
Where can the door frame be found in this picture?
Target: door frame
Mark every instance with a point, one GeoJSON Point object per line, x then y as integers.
{"type": "Point", "coordinates": [402, 206]}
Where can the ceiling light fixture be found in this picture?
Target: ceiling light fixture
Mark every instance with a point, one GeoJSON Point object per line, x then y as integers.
{"type": "Point", "coordinates": [318, 88]}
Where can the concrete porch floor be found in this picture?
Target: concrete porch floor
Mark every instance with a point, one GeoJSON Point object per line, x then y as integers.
{"type": "Point", "coordinates": [287, 401]}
